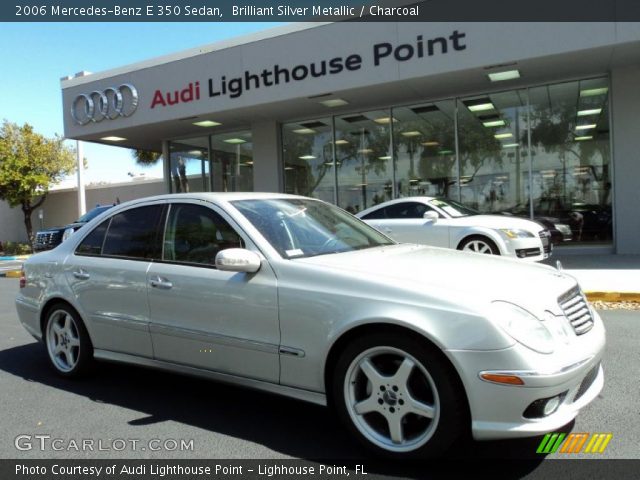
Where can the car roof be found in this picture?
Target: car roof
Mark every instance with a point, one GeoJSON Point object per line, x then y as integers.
{"type": "Point", "coordinates": [216, 197]}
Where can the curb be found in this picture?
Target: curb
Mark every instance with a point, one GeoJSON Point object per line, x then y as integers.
{"type": "Point", "coordinates": [10, 274]}
{"type": "Point", "coordinates": [613, 296]}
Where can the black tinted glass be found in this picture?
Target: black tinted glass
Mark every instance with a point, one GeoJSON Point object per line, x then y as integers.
{"type": "Point", "coordinates": [134, 233]}
{"type": "Point", "coordinates": [406, 210]}
{"type": "Point", "coordinates": [92, 243]}
{"type": "Point", "coordinates": [195, 234]}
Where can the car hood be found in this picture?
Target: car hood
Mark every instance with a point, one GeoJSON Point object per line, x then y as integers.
{"type": "Point", "coordinates": [74, 225]}
{"type": "Point", "coordinates": [458, 275]}
{"type": "Point", "coordinates": [498, 221]}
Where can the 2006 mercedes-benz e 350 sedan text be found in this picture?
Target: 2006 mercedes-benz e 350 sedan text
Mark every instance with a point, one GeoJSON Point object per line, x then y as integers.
{"type": "Point", "coordinates": [411, 345]}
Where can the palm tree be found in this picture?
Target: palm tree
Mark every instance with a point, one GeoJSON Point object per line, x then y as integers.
{"type": "Point", "coordinates": [146, 158]}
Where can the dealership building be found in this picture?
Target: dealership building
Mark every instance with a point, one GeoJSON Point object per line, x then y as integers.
{"type": "Point", "coordinates": [529, 119]}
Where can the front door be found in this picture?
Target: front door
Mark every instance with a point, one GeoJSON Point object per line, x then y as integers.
{"type": "Point", "coordinates": [204, 317]}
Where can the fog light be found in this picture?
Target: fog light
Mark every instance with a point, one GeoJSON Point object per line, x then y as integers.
{"type": "Point", "coordinates": [544, 406]}
{"type": "Point", "coordinates": [551, 406]}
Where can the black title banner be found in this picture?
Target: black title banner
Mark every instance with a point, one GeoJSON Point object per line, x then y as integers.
{"type": "Point", "coordinates": [319, 469]}
{"type": "Point", "coordinates": [319, 10]}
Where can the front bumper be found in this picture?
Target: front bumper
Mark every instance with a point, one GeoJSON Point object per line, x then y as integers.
{"type": "Point", "coordinates": [497, 410]}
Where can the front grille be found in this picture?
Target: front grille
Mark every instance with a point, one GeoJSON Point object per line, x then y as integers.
{"type": "Point", "coordinates": [545, 236]}
{"type": "Point", "coordinates": [576, 309]}
{"type": "Point", "coordinates": [47, 240]}
{"type": "Point", "coordinates": [587, 382]}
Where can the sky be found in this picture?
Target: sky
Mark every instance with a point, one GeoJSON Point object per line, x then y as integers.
{"type": "Point", "coordinates": [36, 55]}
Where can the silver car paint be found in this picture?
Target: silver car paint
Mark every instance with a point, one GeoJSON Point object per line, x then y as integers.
{"type": "Point", "coordinates": [440, 294]}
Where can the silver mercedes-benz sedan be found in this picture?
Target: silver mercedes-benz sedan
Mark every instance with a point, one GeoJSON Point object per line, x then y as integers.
{"type": "Point", "coordinates": [411, 345]}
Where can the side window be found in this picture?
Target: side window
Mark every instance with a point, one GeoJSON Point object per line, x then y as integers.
{"type": "Point", "coordinates": [92, 243]}
{"type": "Point", "coordinates": [195, 234]}
{"type": "Point", "coordinates": [375, 215]}
{"type": "Point", "coordinates": [134, 233]}
{"type": "Point", "coordinates": [406, 210]}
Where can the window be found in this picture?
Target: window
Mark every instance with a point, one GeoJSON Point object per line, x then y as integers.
{"type": "Point", "coordinates": [402, 210]}
{"type": "Point", "coordinates": [195, 234]}
{"type": "Point", "coordinates": [92, 243]}
{"type": "Point", "coordinates": [134, 233]}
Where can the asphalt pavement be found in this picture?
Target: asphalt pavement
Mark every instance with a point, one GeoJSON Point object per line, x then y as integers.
{"type": "Point", "coordinates": [224, 422]}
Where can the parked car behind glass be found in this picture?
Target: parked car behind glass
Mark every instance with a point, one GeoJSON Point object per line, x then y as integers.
{"type": "Point", "coordinates": [412, 345]}
{"type": "Point", "coordinates": [449, 224]}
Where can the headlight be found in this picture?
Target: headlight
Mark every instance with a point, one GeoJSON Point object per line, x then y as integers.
{"type": "Point", "coordinates": [516, 233]}
{"type": "Point", "coordinates": [67, 233]}
{"type": "Point", "coordinates": [522, 327]}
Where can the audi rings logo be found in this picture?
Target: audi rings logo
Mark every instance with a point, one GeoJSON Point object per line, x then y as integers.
{"type": "Point", "coordinates": [111, 103]}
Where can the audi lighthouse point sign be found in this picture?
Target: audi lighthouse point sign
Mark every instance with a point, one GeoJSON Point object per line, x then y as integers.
{"type": "Point", "coordinates": [110, 103]}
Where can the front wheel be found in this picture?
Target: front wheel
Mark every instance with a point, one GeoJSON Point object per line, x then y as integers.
{"type": "Point", "coordinates": [397, 395]}
{"type": "Point", "coordinates": [67, 341]}
{"type": "Point", "coordinates": [479, 245]}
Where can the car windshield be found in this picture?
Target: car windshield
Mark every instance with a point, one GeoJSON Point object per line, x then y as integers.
{"type": "Point", "coordinates": [91, 214]}
{"type": "Point", "coordinates": [305, 228]}
{"type": "Point", "coordinates": [453, 208]}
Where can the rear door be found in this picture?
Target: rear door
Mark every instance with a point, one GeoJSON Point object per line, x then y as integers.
{"type": "Point", "coordinates": [108, 276]}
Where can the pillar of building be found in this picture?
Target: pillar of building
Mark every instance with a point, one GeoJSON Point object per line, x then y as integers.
{"type": "Point", "coordinates": [267, 157]}
{"type": "Point", "coordinates": [625, 108]}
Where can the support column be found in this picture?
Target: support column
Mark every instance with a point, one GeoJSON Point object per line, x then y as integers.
{"type": "Point", "coordinates": [625, 105]}
{"type": "Point", "coordinates": [267, 157]}
{"type": "Point", "coordinates": [166, 166]}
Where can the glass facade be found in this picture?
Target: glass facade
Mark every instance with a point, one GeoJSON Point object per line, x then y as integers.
{"type": "Point", "coordinates": [221, 163]}
{"type": "Point", "coordinates": [541, 152]}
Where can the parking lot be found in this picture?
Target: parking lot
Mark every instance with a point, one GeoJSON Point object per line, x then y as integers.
{"type": "Point", "coordinates": [218, 421]}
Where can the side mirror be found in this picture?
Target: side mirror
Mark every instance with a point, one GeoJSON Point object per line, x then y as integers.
{"type": "Point", "coordinates": [238, 260]}
{"type": "Point", "coordinates": [431, 216]}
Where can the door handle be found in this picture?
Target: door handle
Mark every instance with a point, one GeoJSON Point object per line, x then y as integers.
{"type": "Point", "coordinates": [81, 274]}
{"type": "Point", "coordinates": [162, 283]}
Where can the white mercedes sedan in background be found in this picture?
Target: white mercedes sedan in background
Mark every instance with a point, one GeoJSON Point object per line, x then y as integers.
{"type": "Point", "coordinates": [449, 224]}
{"type": "Point", "coordinates": [413, 346]}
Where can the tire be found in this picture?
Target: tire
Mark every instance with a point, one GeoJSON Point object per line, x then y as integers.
{"type": "Point", "coordinates": [68, 345]}
{"type": "Point", "coordinates": [398, 396]}
{"type": "Point", "coordinates": [479, 244]}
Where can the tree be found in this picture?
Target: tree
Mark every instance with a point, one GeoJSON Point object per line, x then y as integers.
{"type": "Point", "coordinates": [29, 164]}
{"type": "Point", "coordinates": [146, 158]}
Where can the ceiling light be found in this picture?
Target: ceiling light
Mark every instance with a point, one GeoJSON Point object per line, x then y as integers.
{"type": "Point", "coordinates": [445, 152]}
{"type": "Point", "coordinates": [593, 111]}
{"type": "Point", "coordinates": [113, 139]}
{"type": "Point", "coordinates": [235, 141]}
{"type": "Point", "coordinates": [386, 157]}
{"type": "Point", "coordinates": [503, 135]}
{"type": "Point", "coordinates": [479, 105]}
{"type": "Point", "coordinates": [586, 127]}
{"type": "Point", "coordinates": [342, 142]}
{"type": "Point", "coordinates": [306, 157]}
{"type": "Point", "coordinates": [431, 143]}
{"type": "Point", "coordinates": [510, 145]}
{"type": "Point", "coordinates": [304, 131]}
{"type": "Point", "coordinates": [502, 76]}
{"type": "Point", "coordinates": [384, 120]}
{"type": "Point", "coordinates": [365, 150]}
{"type": "Point", "coordinates": [207, 123]}
{"type": "Point", "coordinates": [412, 133]}
{"type": "Point", "coordinates": [288, 168]}
{"type": "Point", "coordinates": [592, 92]}
{"type": "Point", "coordinates": [586, 137]}
{"type": "Point", "coordinates": [334, 102]}
{"type": "Point", "coordinates": [194, 152]}
{"type": "Point", "coordinates": [494, 123]}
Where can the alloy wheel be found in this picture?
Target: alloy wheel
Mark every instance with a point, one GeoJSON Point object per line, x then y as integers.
{"type": "Point", "coordinates": [63, 341]}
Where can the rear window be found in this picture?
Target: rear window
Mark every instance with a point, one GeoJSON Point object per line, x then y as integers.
{"type": "Point", "coordinates": [134, 233]}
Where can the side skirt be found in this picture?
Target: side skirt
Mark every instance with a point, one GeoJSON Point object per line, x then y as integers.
{"type": "Point", "coordinates": [305, 395]}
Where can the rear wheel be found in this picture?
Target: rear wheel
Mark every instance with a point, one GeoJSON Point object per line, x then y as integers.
{"type": "Point", "coordinates": [479, 244]}
{"type": "Point", "coordinates": [397, 395]}
{"type": "Point", "coordinates": [67, 341]}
